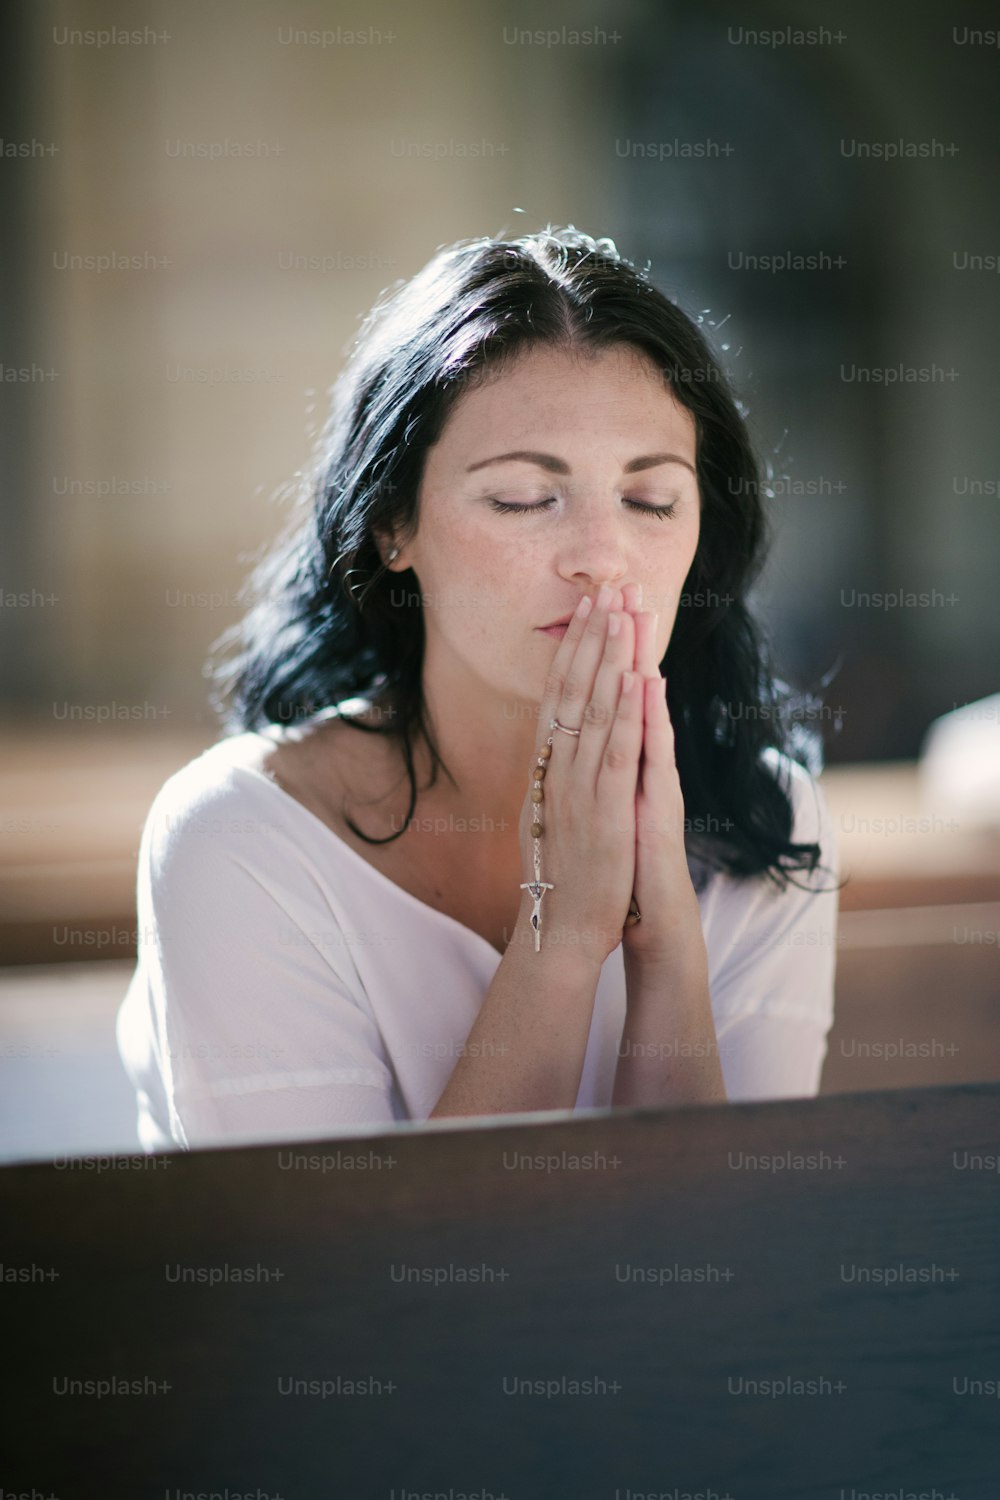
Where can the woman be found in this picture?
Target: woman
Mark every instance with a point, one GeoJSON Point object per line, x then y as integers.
{"type": "Point", "coordinates": [593, 905]}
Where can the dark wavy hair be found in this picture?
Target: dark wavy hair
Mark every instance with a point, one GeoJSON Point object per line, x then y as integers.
{"type": "Point", "coordinates": [323, 628]}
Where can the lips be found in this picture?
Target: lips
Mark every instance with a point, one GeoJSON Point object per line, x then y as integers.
{"type": "Point", "coordinates": [553, 623]}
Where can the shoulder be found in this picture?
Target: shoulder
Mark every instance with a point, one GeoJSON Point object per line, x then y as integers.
{"type": "Point", "coordinates": [213, 813]}
{"type": "Point", "coordinates": [222, 776]}
{"type": "Point", "coordinates": [230, 869]}
{"type": "Point", "coordinates": [811, 824]}
{"type": "Point", "coordinates": [208, 786]}
{"type": "Point", "coordinates": [772, 949]}
{"type": "Point", "coordinates": [222, 805]}
{"type": "Point", "coordinates": [811, 820]}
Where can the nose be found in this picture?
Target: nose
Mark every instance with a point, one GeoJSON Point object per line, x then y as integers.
{"type": "Point", "coordinates": [587, 582]}
{"type": "Point", "coordinates": [593, 556]}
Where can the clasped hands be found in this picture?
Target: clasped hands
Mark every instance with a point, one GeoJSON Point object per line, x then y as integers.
{"type": "Point", "coordinates": [669, 937]}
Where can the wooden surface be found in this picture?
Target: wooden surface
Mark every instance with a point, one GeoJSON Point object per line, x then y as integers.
{"type": "Point", "coordinates": [749, 1284]}
{"type": "Point", "coordinates": [914, 1016]}
{"type": "Point", "coordinates": [72, 809]}
{"type": "Point", "coordinates": [899, 848]}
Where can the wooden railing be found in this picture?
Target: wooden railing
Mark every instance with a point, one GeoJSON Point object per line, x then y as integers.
{"type": "Point", "coordinates": [793, 1299]}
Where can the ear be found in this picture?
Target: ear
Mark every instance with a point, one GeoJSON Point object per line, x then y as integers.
{"type": "Point", "coordinates": [388, 550]}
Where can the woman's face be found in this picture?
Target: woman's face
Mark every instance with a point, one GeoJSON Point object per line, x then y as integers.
{"type": "Point", "coordinates": [596, 435]}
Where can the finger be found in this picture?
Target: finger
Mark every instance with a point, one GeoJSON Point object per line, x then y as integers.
{"type": "Point", "coordinates": [581, 675]}
{"type": "Point", "coordinates": [658, 736]}
{"type": "Point", "coordinates": [619, 766]}
{"type": "Point", "coordinates": [646, 661]}
{"type": "Point", "coordinates": [632, 596]}
{"type": "Point", "coordinates": [556, 674]}
{"type": "Point", "coordinates": [619, 651]}
{"type": "Point", "coordinates": [574, 666]}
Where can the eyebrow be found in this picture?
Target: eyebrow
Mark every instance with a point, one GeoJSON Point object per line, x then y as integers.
{"type": "Point", "coordinates": [558, 466]}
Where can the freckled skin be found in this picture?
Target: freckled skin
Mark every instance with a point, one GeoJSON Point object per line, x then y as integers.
{"type": "Point", "coordinates": [488, 580]}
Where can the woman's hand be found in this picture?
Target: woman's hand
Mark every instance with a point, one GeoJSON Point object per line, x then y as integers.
{"type": "Point", "coordinates": [587, 787]}
{"type": "Point", "coordinates": [669, 934]}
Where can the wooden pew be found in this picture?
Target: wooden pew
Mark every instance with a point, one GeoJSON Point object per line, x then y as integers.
{"type": "Point", "coordinates": [793, 1299]}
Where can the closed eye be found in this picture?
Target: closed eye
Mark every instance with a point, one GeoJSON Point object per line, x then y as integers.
{"type": "Point", "coordinates": [662, 511]}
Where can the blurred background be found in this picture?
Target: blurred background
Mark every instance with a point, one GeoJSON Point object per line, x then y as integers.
{"type": "Point", "coordinates": [200, 204]}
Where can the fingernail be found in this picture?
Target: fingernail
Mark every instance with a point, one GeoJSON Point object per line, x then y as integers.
{"type": "Point", "coordinates": [604, 597]}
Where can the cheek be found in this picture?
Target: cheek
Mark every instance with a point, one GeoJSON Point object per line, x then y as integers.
{"type": "Point", "coordinates": [494, 569]}
{"type": "Point", "coordinates": [472, 584]}
{"type": "Point", "coordinates": [662, 570]}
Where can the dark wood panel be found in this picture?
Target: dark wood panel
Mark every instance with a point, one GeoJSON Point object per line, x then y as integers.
{"type": "Point", "coordinates": [745, 1217]}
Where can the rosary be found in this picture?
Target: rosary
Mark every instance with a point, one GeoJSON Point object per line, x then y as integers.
{"type": "Point", "coordinates": [536, 888]}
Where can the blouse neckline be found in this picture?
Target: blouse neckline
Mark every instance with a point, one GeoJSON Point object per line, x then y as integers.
{"type": "Point", "coordinates": [377, 874]}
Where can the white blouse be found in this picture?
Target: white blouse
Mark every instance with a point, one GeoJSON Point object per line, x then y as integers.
{"type": "Point", "coordinates": [286, 989]}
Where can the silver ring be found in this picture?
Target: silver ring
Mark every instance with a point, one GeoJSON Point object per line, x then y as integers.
{"type": "Point", "coordinates": [555, 724]}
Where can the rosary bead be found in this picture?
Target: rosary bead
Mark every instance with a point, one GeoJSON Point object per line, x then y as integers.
{"type": "Point", "coordinates": [545, 751]}
{"type": "Point", "coordinates": [537, 795]}
{"type": "Point", "coordinates": [536, 830]}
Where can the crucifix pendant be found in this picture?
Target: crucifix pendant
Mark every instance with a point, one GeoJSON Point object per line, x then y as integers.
{"type": "Point", "coordinates": [536, 889]}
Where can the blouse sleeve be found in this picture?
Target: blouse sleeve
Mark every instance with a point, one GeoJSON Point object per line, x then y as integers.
{"type": "Point", "coordinates": [773, 983]}
{"type": "Point", "coordinates": [255, 1031]}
